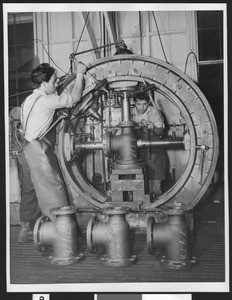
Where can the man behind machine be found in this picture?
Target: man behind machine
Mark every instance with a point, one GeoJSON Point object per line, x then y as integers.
{"type": "Point", "coordinates": [151, 127]}
{"type": "Point", "coordinates": [37, 115]}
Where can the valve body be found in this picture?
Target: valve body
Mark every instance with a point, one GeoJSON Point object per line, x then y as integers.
{"type": "Point", "coordinates": [113, 235]}
{"type": "Point", "coordinates": [60, 234]}
{"type": "Point", "coordinates": [173, 237]}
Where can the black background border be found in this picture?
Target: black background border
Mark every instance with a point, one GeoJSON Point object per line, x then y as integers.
{"type": "Point", "coordinates": [90, 296]}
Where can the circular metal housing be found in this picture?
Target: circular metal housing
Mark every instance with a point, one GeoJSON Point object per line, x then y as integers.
{"type": "Point", "coordinates": [183, 94]}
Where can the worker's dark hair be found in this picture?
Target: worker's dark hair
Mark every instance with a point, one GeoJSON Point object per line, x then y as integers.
{"type": "Point", "coordinates": [42, 73]}
{"type": "Point", "coordinates": [142, 96]}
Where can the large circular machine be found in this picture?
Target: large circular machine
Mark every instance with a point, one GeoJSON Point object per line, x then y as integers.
{"type": "Point", "coordinates": [97, 145]}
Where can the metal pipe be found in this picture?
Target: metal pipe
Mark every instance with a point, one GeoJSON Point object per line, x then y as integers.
{"type": "Point", "coordinates": [161, 143]}
{"type": "Point", "coordinates": [96, 48]}
{"type": "Point", "coordinates": [61, 235]}
{"type": "Point", "coordinates": [15, 52]}
{"type": "Point", "coordinates": [173, 237]}
{"type": "Point", "coordinates": [125, 108]}
{"type": "Point", "coordinates": [20, 94]}
{"type": "Point", "coordinates": [99, 210]}
{"type": "Point", "coordinates": [90, 146]}
{"type": "Point", "coordinates": [114, 235]}
{"type": "Point", "coordinates": [102, 153]}
{"type": "Point", "coordinates": [117, 143]}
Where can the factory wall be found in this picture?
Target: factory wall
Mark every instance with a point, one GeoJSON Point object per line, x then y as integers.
{"type": "Point", "coordinates": [139, 30]}
{"type": "Point", "coordinates": [166, 35]}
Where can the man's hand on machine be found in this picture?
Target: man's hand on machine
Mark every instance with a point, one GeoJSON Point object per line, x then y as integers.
{"type": "Point", "coordinates": [147, 123]}
{"type": "Point", "coordinates": [81, 68]}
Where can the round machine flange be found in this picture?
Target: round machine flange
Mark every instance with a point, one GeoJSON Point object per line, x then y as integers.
{"type": "Point", "coordinates": [66, 261]}
{"type": "Point", "coordinates": [120, 165]}
{"type": "Point", "coordinates": [185, 95]}
{"type": "Point", "coordinates": [150, 235]}
{"type": "Point", "coordinates": [89, 232]}
{"type": "Point", "coordinates": [117, 263]}
{"type": "Point", "coordinates": [116, 210]}
{"type": "Point", "coordinates": [36, 233]}
{"type": "Point", "coordinates": [63, 210]}
{"type": "Point", "coordinates": [176, 209]}
{"type": "Point", "coordinates": [178, 265]}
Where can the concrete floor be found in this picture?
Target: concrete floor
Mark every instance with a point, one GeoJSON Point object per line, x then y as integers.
{"type": "Point", "coordinates": [29, 266]}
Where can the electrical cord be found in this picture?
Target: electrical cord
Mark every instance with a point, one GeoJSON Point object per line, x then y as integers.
{"type": "Point", "coordinates": [79, 40]}
{"type": "Point", "coordinates": [50, 56]}
{"type": "Point", "coordinates": [186, 62]}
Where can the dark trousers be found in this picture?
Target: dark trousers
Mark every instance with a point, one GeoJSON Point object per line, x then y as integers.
{"type": "Point", "coordinates": [46, 176]}
{"type": "Point", "coordinates": [29, 209]}
{"type": "Point", "coordinates": [156, 160]}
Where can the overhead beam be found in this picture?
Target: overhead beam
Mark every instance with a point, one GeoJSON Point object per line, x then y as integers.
{"type": "Point", "coordinates": [110, 27]}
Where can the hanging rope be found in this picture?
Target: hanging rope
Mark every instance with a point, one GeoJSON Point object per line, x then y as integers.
{"type": "Point", "coordinates": [159, 36]}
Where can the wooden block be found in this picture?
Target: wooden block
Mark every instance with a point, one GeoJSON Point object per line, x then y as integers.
{"type": "Point", "coordinates": [127, 185]}
{"type": "Point", "coordinates": [127, 171]}
{"type": "Point", "coordinates": [114, 177]}
{"type": "Point", "coordinates": [138, 196]}
{"type": "Point", "coordinates": [117, 196]}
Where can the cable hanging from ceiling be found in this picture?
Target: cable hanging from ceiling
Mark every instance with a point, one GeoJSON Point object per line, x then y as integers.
{"type": "Point", "coordinates": [196, 60]}
{"type": "Point", "coordinates": [79, 40]}
{"type": "Point", "coordinates": [49, 56]}
{"type": "Point", "coordinates": [157, 28]}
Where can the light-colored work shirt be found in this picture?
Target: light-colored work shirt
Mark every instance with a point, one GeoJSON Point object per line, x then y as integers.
{"type": "Point", "coordinates": [41, 115]}
{"type": "Point", "coordinates": [149, 115]}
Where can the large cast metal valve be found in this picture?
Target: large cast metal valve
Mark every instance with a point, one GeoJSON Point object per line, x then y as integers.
{"type": "Point", "coordinates": [119, 77]}
{"type": "Point", "coordinates": [61, 235]}
{"type": "Point", "coordinates": [173, 237]}
{"type": "Point", "coordinates": [113, 235]}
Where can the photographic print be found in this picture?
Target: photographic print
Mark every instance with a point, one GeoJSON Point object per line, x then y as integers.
{"type": "Point", "coordinates": [116, 148]}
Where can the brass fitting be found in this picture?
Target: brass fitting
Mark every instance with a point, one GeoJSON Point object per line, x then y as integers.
{"type": "Point", "coordinates": [60, 234]}
{"type": "Point", "coordinates": [173, 237]}
{"type": "Point", "coordinates": [114, 235]}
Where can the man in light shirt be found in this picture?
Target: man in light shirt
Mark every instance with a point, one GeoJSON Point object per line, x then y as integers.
{"type": "Point", "coordinates": [151, 127]}
{"type": "Point", "coordinates": [40, 163]}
